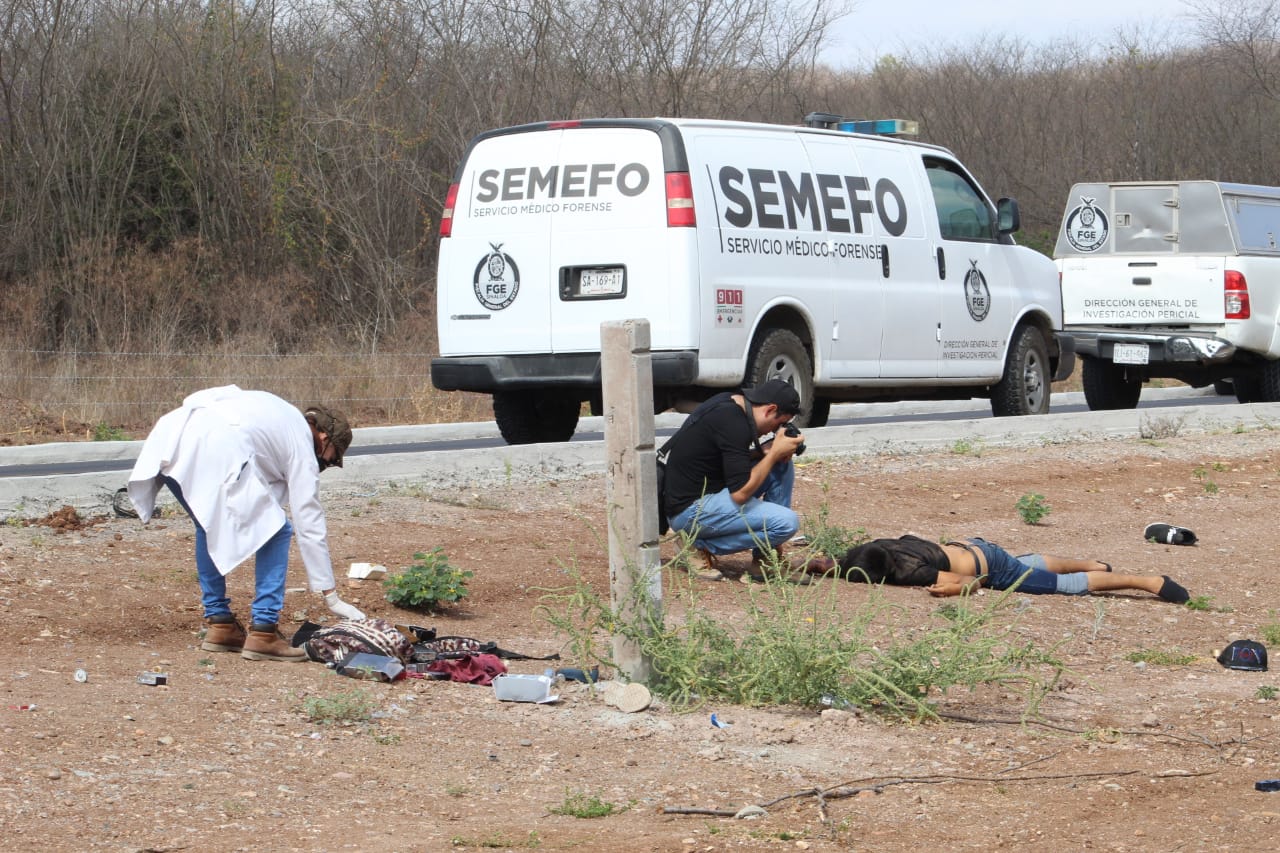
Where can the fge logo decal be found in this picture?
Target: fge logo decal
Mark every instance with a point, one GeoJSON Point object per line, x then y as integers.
{"type": "Point", "coordinates": [497, 279]}
{"type": "Point", "coordinates": [977, 296]}
{"type": "Point", "coordinates": [729, 311]}
{"type": "Point", "coordinates": [1086, 228]}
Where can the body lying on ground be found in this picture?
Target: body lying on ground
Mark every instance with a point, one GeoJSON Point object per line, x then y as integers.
{"type": "Point", "coordinates": [959, 566]}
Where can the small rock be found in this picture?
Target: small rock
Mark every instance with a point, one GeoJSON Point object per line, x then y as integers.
{"type": "Point", "coordinates": [53, 773]}
{"type": "Point", "coordinates": [166, 740]}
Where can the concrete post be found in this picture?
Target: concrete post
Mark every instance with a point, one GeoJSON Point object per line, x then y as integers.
{"type": "Point", "coordinates": [635, 575]}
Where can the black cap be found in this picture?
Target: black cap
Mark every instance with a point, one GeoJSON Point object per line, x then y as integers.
{"type": "Point", "coordinates": [1248, 655]}
{"type": "Point", "coordinates": [334, 425]}
{"type": "Point", "coordinates": [775, 391]}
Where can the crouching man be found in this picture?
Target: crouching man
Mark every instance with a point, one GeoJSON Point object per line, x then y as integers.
{"type": "Point", "coordinates": [233, 459]}
{"type": "Point", "coordinates": [726, 490]}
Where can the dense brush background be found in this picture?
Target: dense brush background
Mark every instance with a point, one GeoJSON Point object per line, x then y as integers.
{"type": "Point", "coordinates": [199, 192]}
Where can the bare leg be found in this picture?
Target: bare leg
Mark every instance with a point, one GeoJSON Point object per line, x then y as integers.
{"type": "Point", "coordinates": [1068, 565]}
{"type": "Point", "coordinates": [1159, 585]}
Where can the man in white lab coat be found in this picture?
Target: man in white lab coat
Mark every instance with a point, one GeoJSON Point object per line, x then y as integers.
{"type": "Point", "coordinates": [234, 459]}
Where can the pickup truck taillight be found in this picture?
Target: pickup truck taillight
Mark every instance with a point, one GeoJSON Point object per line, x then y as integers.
{"type": "Point", "coordinates": [680, 212]}
{"type": "Point", "coordinates": [446, 215]}
{"type": "Point", "coordinates": [1235, 295]}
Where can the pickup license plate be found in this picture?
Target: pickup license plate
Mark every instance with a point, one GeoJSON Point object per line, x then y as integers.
{"type": "Point", "coordinates": [1131, 354]}
{"type": "Point", "coordinates": [606, 282]}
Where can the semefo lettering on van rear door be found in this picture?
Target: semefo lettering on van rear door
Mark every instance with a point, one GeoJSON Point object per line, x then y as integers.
{"type": "Point", "coordinates": [784, 201]}
{"type": "Point", "coordinates": [561, 188]}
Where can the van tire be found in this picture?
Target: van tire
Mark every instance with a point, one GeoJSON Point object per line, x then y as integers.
{"type": "Point", "coordinates": [1024, 389]}
{"type": "Point", "coordinates": [779, 354]}
{"type": "Point", "coordinates": [1107, 387]}
{"type": "Point", "coordinates": [530, 417]}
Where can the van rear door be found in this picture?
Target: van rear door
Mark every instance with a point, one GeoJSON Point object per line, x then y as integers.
{"type": "Point", "coordinates": [553, 232]}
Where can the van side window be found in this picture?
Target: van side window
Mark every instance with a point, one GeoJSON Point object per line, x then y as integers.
{"type": "Point", "coordinates": [962, 212]}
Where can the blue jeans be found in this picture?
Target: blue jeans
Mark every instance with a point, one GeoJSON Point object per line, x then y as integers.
{"type": "Point", "coordinates": [270, 564]}
{"type": "Point", "coordinates": [766, 520]}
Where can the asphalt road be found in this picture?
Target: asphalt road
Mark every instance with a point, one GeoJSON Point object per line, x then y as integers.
{"type": "Point", "coordinates": [36, 478]}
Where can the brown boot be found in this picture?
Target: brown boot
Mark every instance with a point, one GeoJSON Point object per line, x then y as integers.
{"type": "Point", "coordinates": [265, 642]}
{"type": "Point", "coordinates": [223, 634]}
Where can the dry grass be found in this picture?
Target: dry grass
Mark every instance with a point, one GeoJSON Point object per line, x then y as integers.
{"type": "Point", "coordinates": [74, 395]}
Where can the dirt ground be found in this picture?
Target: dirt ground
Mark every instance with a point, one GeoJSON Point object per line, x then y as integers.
{"type": "Point", "coordinates": [1124, 756]}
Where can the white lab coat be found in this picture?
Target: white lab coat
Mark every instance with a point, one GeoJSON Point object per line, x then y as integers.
{"type": "Point", "coordinates": [240, 457]}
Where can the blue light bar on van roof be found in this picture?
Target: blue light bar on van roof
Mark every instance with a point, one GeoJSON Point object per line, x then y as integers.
{"type": "Point", "coordinates": [881, 126]}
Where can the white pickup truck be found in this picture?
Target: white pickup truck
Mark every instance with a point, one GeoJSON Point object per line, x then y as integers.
{"type": "Point", "coordinates": [1176, 280]}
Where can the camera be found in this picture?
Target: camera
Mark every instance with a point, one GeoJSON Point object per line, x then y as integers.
{"type": "Point", "coordinates": [790, 430]}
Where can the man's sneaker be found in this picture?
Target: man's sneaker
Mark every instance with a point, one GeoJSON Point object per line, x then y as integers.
{"type": "Point", "coordinates": [265, 642]}
{"type": "Point", "coordinates": [223, 634]}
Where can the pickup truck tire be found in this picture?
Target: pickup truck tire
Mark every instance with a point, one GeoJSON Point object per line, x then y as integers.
{"type": "Point", "coordinates": [1268, 390]}
{"type": "Point", "coordinates": [1024, 388]}
{"type": "Point", "coordinates": [1247, 388]}
{"type": "Point", "coordinates": [1107, 387]}
{"type": "Point", "coordinates": [780, 354]}
{"type": "Point", "coordinates": [529, 417]}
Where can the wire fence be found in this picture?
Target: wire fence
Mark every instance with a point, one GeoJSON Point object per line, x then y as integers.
{"type": "Point", "coordinates": [48, 394]}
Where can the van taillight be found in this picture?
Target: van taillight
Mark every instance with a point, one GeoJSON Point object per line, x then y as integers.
{"type": "Point", "coordinates": [1235, 295]}
{"type": "Point", "coordinates": [680, 201]}
{"type": "Point", "coordinates": [446, 215]}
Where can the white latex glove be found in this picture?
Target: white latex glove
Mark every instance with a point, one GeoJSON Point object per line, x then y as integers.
{"type": "Point", "coordinates": [340, 608]}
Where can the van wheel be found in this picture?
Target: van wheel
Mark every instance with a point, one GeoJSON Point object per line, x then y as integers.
{"type": "Point", "coordinates": [1024, 388]}
{"type": "Point", "coordinates": [529, 417]}
{"type": "Point", "coordinates": [1107, 386]}
{"type": "Point", "coordinates": [779, 354]}
{"type": "Point", "coordinates": [820, 413]}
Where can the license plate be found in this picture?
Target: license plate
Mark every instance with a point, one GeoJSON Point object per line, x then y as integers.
{"type": "Point", "coordinates": [606, 282]}
{"type": "Point", "coordinates": [1131, 354]}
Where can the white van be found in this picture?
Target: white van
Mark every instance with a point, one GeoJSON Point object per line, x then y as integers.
{"type": "Point", "coordinates": [1172, 279]}
{"type": "Point", "coordinates": [854, 266]}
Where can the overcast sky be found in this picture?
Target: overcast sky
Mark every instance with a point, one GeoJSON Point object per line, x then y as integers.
{"type": "Point", "coordinates": [879, 27]}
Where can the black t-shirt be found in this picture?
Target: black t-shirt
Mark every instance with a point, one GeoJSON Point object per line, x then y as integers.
{"type": "Point", "coordinates": [710, 454]}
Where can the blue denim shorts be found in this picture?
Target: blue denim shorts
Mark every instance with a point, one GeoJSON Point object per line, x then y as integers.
{"type": "Point", "coordinates": [1004, 570]}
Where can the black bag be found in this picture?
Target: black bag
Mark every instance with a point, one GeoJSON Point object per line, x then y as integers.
{"type": "Point", "coordinates": [664, 526]}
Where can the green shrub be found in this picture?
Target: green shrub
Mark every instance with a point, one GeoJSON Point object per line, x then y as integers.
{"type": "Point", "coordinates": [353, 706]}
{"type": "Point", "coordinates": [581, 805]}
{"type": "Point", "coordinates": [1032, 508]}
{"type": "Point", "coordinates": [103, 431]}
{"type": "Point", "coordinates": [793, 645]}
{"type": "Point", "coordinates": [825, 537]}
{"type": "Point", "coordinates": [1161, 657]}
{"type": "Point", "coordinates": [430, 581]}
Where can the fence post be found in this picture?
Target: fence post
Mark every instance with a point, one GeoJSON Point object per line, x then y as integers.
{"type": "Point", "coordinates": [635, 575]}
